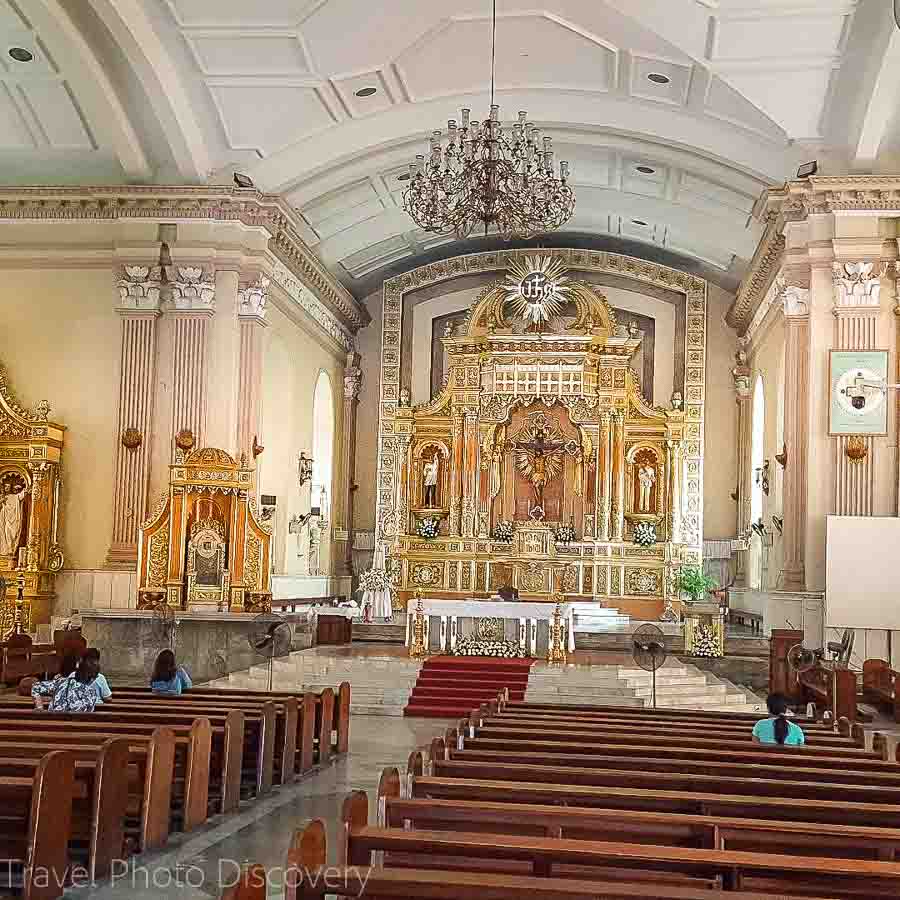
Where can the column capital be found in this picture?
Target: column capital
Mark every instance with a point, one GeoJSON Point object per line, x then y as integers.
{"type": "Point", "coordinates": [193, 290]}
{"type": "Point", "coordinates": [858, 283]}
{"type": "Point", "coordinates": [139, 290]}
{"type": "Point", "coordinates": [795, 302]}
{"type": "Point", "coordinates": [253, 298]}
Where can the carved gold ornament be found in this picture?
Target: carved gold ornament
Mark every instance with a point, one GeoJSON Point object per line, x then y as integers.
{"type": "Point", "coordinates": [185, 439]}
{"type": "Point", "coordinates": [537, 288]}
{"type": "Point", "coordinates": [132, 439]}
{"type": "Point", "coordinates": [856, 449]}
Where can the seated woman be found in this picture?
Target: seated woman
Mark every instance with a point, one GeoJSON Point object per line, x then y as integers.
{"type": "Point", "coordinates": [778, 729]}
{"type": "Point", "coordinates": [69, 694]}
{"type": "Point", "coordinates": [169, 678]}
{"type": "Point", "coordinates": [99, 684]}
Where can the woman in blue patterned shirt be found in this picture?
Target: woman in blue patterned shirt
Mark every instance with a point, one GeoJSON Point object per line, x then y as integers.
{"type": "Point", "coordinates": [74, 694]}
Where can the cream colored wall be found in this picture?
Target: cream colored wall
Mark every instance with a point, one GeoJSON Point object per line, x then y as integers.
{"type": "Point", "coordinates": [292, 361]}
{"type": "Point", "coordinates": [60, 342]}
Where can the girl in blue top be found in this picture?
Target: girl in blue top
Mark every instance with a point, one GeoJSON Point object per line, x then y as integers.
{"type": "Point", "coordinates": [778, 729]}
{"type": "Point", "coordinates": [169, 678]}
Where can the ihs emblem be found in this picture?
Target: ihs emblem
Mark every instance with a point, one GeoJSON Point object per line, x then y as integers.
{"type": "Point", "coordinates": [537, 289]}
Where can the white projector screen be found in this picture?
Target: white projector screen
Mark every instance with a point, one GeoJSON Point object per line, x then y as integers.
{"type": "Point", "coordinates": [862, 572]}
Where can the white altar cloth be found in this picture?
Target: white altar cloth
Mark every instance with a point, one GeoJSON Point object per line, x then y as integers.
{"type": "Point", "coordinates": [346, 612]}
{"type": "Point", "coordinates": [527, 615]}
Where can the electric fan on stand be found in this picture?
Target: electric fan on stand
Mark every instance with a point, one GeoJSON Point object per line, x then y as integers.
{"type": "Point", "coordinates": [271, 638]}
{"type": "Point", "coordinates": [649, 652]}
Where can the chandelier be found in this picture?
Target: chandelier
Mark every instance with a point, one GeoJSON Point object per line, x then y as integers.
{"type": "Point", "coordinates": [487, 177]}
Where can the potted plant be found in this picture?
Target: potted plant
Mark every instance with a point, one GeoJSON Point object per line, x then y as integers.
{"type": "Point", "coordinates": [691, 581]}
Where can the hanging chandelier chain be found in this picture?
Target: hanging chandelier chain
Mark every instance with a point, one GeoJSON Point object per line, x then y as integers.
{"type": "Point", "coordinates": [493, 46]}
{"type": "Point", "coordinates": [485, 178]}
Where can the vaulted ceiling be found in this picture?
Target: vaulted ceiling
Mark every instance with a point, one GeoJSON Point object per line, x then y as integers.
{"type": "Point", "coordinates": [674, 115]}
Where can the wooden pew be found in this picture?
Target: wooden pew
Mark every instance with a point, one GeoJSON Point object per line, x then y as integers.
{"type": "Point", "coordinates": [34, 827]}
{"type": "Point", "coordinates": [676, 717]}
{"type": "Point", "coordinates": [880, 686]}
{"type": "Point", "coordinates": [229, 730]}
{"type": "Point", "coordinates": [150, 766]}
{"type": "Point", "coordinates": [309, 877]}
{"type": "Point", "coordinates": [19, 658]}
{"type": "Point", "coordinates": [522, 854]}
{"type": "Point", "coordinates": [792, 757]}
{"type": "Point", "coordinates": [689, 781]}
{"type": "Point", "coordinates": [562, 723]}
{"type": "Point", "coordinates": [195, 744]}
{"type": "Point", "coordinates": [612, 734]}
{"type": "Point", "coordinates": [657, 799]}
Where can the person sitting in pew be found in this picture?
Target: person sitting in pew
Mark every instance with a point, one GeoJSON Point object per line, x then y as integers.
{"type": "Point", "coordinates": [168, 677]}
{"type": "Point", "coordinates": [99, 684]}
{"type": "Point", "coordinates": [72, 694]}
{"type": "Point", "coordinates": [777, 729]}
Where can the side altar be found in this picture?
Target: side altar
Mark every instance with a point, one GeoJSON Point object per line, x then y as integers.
{"type": "Point", "coordinates": [540, 455]}
{"type": "Point", "coordinates": [203, 548]}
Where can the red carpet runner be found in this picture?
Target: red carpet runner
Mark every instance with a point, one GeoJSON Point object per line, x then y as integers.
{"type": "Point", "coordinates": [450, 687]}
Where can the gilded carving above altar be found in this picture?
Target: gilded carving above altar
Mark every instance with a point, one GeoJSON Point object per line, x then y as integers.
{"type": "Point", "coordinates": [541, 424]}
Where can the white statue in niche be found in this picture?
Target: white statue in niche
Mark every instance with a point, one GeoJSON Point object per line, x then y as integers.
{"type": "Point", "coordinates": [647, 478]}
{"type": "Point", "coordinates": [12, 499]}
{"type": "Point", "coordinates": [430, 480]}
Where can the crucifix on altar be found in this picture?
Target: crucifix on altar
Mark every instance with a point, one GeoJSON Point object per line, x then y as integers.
{"type": "Point", "coordinates": [539, 460]}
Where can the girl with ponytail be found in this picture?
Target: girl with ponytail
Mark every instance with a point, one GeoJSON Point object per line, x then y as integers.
{"type": "Point", "coordinates": [778, 729]}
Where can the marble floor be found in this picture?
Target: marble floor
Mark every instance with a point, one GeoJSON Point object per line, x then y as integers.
{"type": "Point", "coordinates": [190, 868]}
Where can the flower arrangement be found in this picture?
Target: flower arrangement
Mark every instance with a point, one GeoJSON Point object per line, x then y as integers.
{"type": "Point", "coordinates": [503, 532]}
{"type": "Point", "coordinates": [645, 534]}
{"type": "Point", "coordinates": [375, 580]}
{"type": "Point", "coordinates": [693, 582]}
{"type": "Point", "coordinates": [429, 527]}
{"type": "Point", "coordinates": [474, 646]}
{"type": "Point", "coordinates": [705, 643]}
{"type": "Point", "coordinates": [565, 534]}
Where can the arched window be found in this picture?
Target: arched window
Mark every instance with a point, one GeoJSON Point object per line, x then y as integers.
{"type": "Point", "coordinates": [757, 450]}
{"type": "Point", "coordinates": [322, 446]}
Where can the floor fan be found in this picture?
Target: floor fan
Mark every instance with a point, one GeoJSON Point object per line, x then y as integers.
{"type": "Point", "coordinates": [271, 639]}
{"type": "Point", "coordinates": [649, 652]}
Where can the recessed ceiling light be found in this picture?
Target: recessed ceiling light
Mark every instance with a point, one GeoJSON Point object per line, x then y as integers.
{"type": "Point", "coordinates": [638, 222]}
{"type": "Point", "coordinates": [658, 78]}
{"type": "Point", "coordinates": [366, 92]}
{"type": "Point", "coordinates": [403, 177]}
{"type": "Point", "coordinates": [20, 54]}
{"type": "Point", "coordinates": [645, 170]}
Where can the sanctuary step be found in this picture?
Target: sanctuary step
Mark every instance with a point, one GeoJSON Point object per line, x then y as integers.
{"type": "Point", "coordinates": [678, 685]}
{"type": "Point", "coordinates": [380, 685]}
{"type": "Point", "coordinates": [379, 633]}
{"type": "Point", "coordinates": [452, 686]}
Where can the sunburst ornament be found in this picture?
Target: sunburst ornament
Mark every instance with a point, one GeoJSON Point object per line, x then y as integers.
{"type": "Point", "coordinates": [537, 288]}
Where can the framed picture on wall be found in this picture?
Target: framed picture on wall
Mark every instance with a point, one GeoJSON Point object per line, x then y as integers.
{"type": "Point", "coordinates": [858, 402]}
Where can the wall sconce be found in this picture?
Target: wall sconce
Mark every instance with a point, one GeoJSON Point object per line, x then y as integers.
{"type": "Point", "coordinates": [762, 477]}
{"type": "Point", "coordinates": [778, 523]}
{"type": "Point", "coordinates": [759, 527]}
{"type": "Point", "coordinates": [781, 458]}
{"type": "Point", "coordinates": [304, 468]}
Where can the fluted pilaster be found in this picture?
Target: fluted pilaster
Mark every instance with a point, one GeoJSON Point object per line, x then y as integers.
{"type": "Point", "coordinates": [605, 455]}
{"type": "Point", "coordinates": [617, 506]}
{"type": "Point", "coordinates": [343, 500]}
{"type": "Point", "coordinates": [135, 425]}
{"type": "Point", "coordinates": [189, 373]}
{"type": "Point", "coordinates": [796, 435]}
{"type": "Point", "coordinates": [252, 301]}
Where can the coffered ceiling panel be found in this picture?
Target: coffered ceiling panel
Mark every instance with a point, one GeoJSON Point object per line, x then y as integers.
{"type": "Point", "coordinates": [54, 109]}
{"type": "Point", "coordinates": [253, 114]}
{"type": "Point", "coordinates": [539, 43]}
{"type": "Point", "coordinates": [246, 53]}
{"type": "Point", "coordinates": [14, 132]}
{"type": "Point", "coordinates": [203, 13]}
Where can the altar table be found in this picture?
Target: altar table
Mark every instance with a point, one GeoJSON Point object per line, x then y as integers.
{"type": "Point", "coordinates": [449, 616]}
